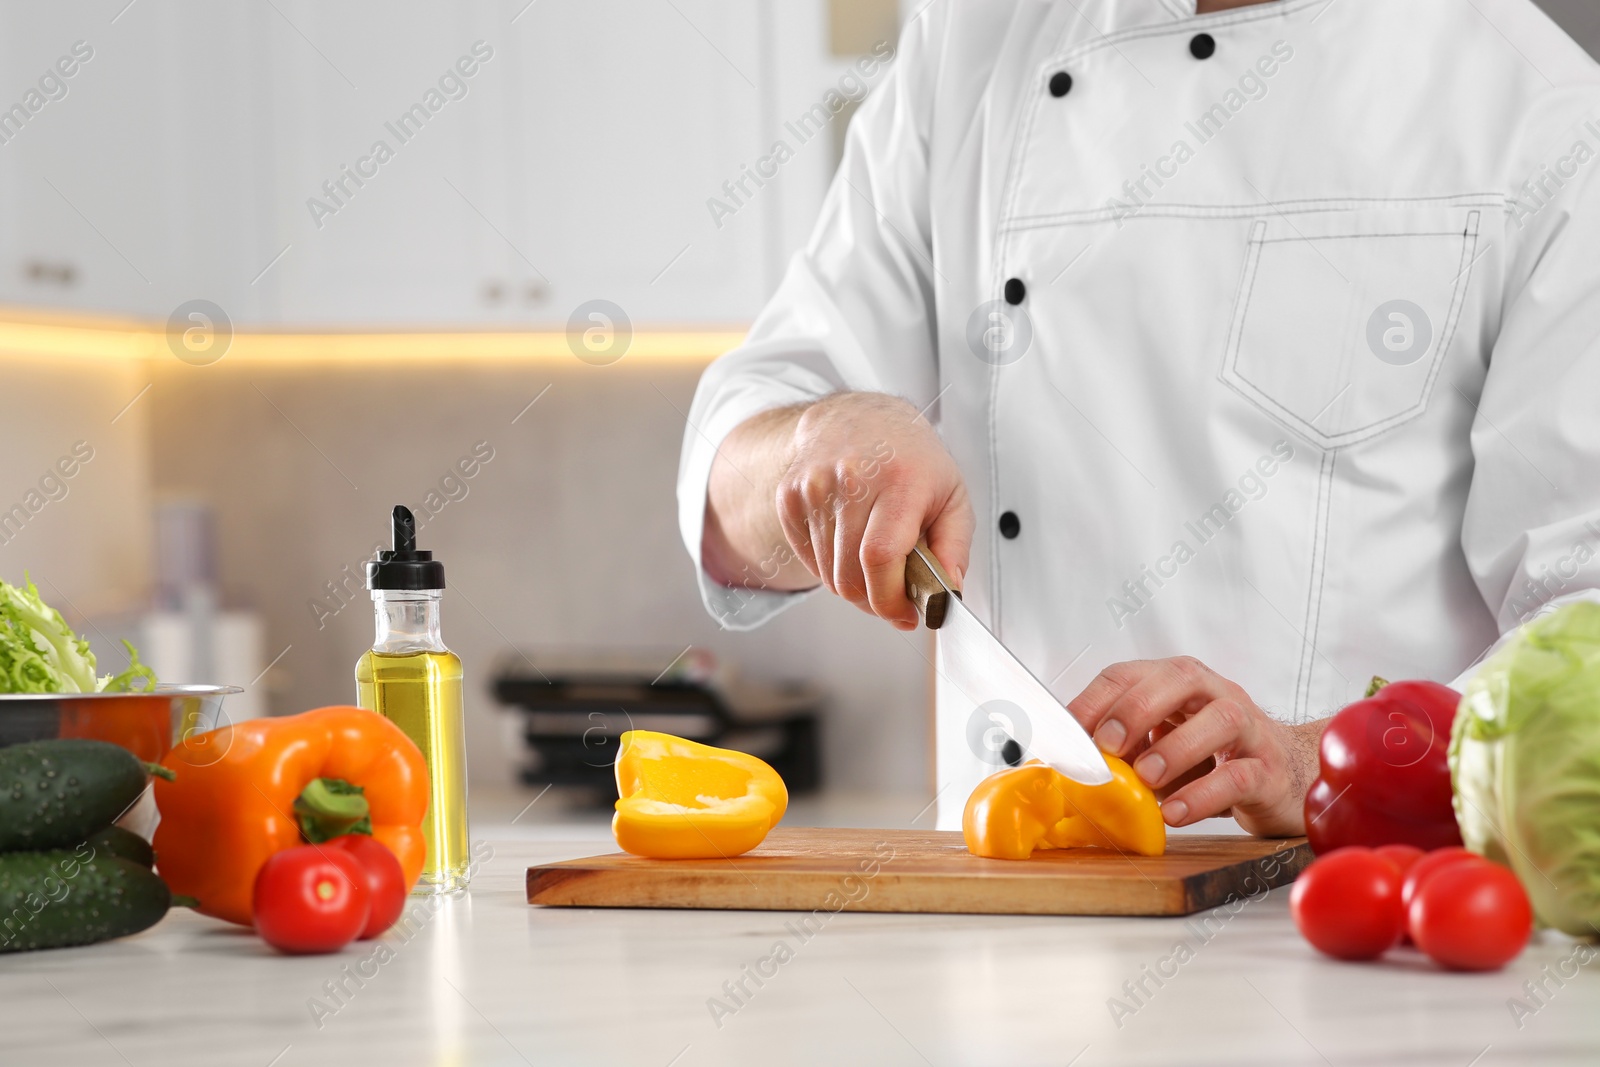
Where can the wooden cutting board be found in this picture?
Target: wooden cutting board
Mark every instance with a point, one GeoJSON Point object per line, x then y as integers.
{"type": "Point", "coordinates": [929, 871]}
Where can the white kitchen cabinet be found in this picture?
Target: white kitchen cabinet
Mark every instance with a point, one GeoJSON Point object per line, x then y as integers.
{"type": "Point", "coordinates": [575, 167]}
{"type": "Point", "coordinates": [622, 120]}
{"type": "Point", "coordinates": [226, 152]}
{"type": "Point", "coordinates": [377, 204]}
{"type": "Point", "coordinates": [136, 189]}
{"type": "Point", "coordinates": [72, 196]}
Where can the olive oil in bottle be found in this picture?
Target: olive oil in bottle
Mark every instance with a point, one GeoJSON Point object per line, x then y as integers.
{"type": "Point", "coordinates": [412, 679]}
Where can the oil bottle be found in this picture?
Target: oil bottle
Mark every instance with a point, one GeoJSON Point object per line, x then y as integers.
{"type": "Point", "coordinates": [412, 679]}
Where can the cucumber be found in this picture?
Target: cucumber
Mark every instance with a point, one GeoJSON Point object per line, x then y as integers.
{"type": "Point", "coordinates": [116, 841]}
{"type": "Point", "coordinates": [54, 794]}
{"type": "Point", "coordinates": [58, 898]}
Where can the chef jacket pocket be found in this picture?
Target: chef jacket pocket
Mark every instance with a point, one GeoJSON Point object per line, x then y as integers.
{"type": "Point", "coordinates": [1343, 317]}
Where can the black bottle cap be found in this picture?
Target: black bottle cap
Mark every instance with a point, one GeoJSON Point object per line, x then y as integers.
{"type": "Point", "coordinates": [405, 567]}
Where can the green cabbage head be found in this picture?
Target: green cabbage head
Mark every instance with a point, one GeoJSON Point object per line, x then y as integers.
{"type": "Point", "coordinates": [1525, 761]}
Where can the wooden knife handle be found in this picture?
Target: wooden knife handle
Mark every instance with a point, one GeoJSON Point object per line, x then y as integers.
{"type": "Point", "coordinates": [923, 586]}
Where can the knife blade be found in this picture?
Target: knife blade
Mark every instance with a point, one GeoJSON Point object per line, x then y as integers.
{"type": "Point", "coordinates": [977, 665]}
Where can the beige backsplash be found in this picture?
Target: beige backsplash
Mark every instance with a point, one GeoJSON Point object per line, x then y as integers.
{"type": "Point", "coordinates": [85, 539]}
{"type": "Point", "coordinates": [567, 535]}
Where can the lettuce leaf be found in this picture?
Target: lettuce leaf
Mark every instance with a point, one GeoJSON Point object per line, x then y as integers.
{"type": "Point", "coordinates": [136, 672]}
{"type": "Point", "coordinates": [39, 653]}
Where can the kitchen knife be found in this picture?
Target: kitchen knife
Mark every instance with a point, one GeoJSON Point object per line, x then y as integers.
{"type": "Point", "coordinates": [976, 664]}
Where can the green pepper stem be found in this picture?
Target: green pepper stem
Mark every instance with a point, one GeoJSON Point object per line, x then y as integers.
{"type": "Point", "coordinates": [155, 770]}
{"type": "Point", "coordinates": [329, 807]}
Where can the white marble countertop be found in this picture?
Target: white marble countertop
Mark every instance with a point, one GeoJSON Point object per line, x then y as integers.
{"type": "Point", "coordinates": [487, 979]}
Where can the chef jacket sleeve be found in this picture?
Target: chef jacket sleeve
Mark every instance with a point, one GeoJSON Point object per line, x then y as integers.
{"type": "Point", "coordinates": [1531, 532]}
{"type": "Point", "coordinates": [854, 310]}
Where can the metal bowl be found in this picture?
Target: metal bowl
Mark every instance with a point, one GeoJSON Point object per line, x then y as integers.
{"type": "Point", "coordinates": [147, 724]}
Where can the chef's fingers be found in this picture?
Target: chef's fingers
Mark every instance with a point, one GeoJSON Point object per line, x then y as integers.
{"type": "Point", "coordinates": [891, 532]}
{"type": "Point", "coordinates": [1193, 774]}
{"type": "Point", "coordinates": [1234, 782]}
{"type": "Point", "coordinates": [1090, 706]}
{"type": "Point", "coordinates": [949, 533]}
{"type": "Point", "coordinates": [1162, 729]}
{"type": "Point", "coordinates": [1179, 686]}
{"type": "Point", "coordinates": [821, 521]}
{"type": "Point", "coordinates": [848, 579]}
{"type": "Point", "coordinates": [1222, 725]}
{"type": "Point", "coordinates": [794, 519]}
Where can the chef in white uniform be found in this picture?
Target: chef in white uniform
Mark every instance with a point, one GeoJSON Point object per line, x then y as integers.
{"type": "Point", "coordinates": [1229, 357]}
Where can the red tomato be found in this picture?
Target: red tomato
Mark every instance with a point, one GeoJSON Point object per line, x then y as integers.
{"type": "Point", "coordinates": [1472, 915]}
{"type": "Point", "coordinates": [386, 882]}
{"type": "Point", "coordinates": [1402, 856]}
{"type": "Point", "coordinates": [1347, 904]}
{"type": "Point", "coordinates": [1427, 867]}
{"type": "Point", "coordinates": [311, 898]}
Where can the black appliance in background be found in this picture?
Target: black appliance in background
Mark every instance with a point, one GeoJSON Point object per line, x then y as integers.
{"type": "Point", "coordinates": [575, 706]}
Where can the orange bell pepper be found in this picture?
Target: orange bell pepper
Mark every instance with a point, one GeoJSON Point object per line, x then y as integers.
{"type": "Point", "coordinates": [1021, 809]}
{"type": "Point", "coordinates": [683, 800]}
{"type": "Point", "coordinates": [241, 793]}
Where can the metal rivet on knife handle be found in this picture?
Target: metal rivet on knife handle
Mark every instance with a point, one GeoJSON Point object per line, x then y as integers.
{"type": "Point", "coordinates": [929, 585]}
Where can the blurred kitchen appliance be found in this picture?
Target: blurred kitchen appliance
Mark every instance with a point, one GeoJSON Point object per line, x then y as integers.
{"type": "Point", "coordinates": [575, 704]}
{"type": "Point", "coordinates": [188, 637]}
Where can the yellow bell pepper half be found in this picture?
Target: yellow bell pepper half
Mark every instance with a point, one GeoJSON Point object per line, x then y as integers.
{"type": "Point", "coordinates": [1021, 809]}
{"type": "Point", "coordinates": [683, 800]}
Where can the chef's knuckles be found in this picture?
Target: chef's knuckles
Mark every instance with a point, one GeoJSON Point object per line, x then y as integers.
{"type": "Point", "coordinates": [1217, 725]}
{"type": "Point", "coordinates": [880, 551]}
{"type": "Point", "coordinates": [1132, 699]}
{"type": "Point", "coordinates": [1236, 779]}
{"type": "Point", "coordinates": [1111, 687]}
{"type": "Point", "coordinates": [851, 518]}
{"type": "Point", "coordinates": [1173, 717]}
{"type": "Point", "coordinates": [814, 502]}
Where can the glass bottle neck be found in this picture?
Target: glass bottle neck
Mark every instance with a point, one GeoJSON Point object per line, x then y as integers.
{"type": "Point", "coordinates": [408, 620]}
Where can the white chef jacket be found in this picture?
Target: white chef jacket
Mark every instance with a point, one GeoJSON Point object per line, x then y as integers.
{"type": "Point", "coordinates": [1297, 362]}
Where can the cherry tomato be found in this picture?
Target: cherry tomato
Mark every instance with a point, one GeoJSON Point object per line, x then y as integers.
{"type": "Point", "coordinates": [311, 898]}
{"type": "Point", "coordinates": [1347, 904]}
{"type": "Point", "coordinates": [1471, 916]}
{"type": "Point", "coordinates": [386, 882]}
{"type": "Point", "coordinates": [1402, 856]}
{"type": "Point", "coordinates": [1427, 867]}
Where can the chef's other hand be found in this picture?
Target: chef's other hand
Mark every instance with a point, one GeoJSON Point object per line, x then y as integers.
{"type": "Point", "coordinates": [1202, 744]}
{"type": "Point", "coordinates": [838, 492]}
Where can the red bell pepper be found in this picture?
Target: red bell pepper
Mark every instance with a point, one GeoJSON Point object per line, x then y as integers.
{"type": "Point", "coordinates": [1385, 774]}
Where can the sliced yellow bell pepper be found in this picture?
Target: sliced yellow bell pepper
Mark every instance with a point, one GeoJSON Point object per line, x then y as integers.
{"type": "Point", "coordinates": [1021, 809]}
{"type": "Point", "coordinates": [683, 800]}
